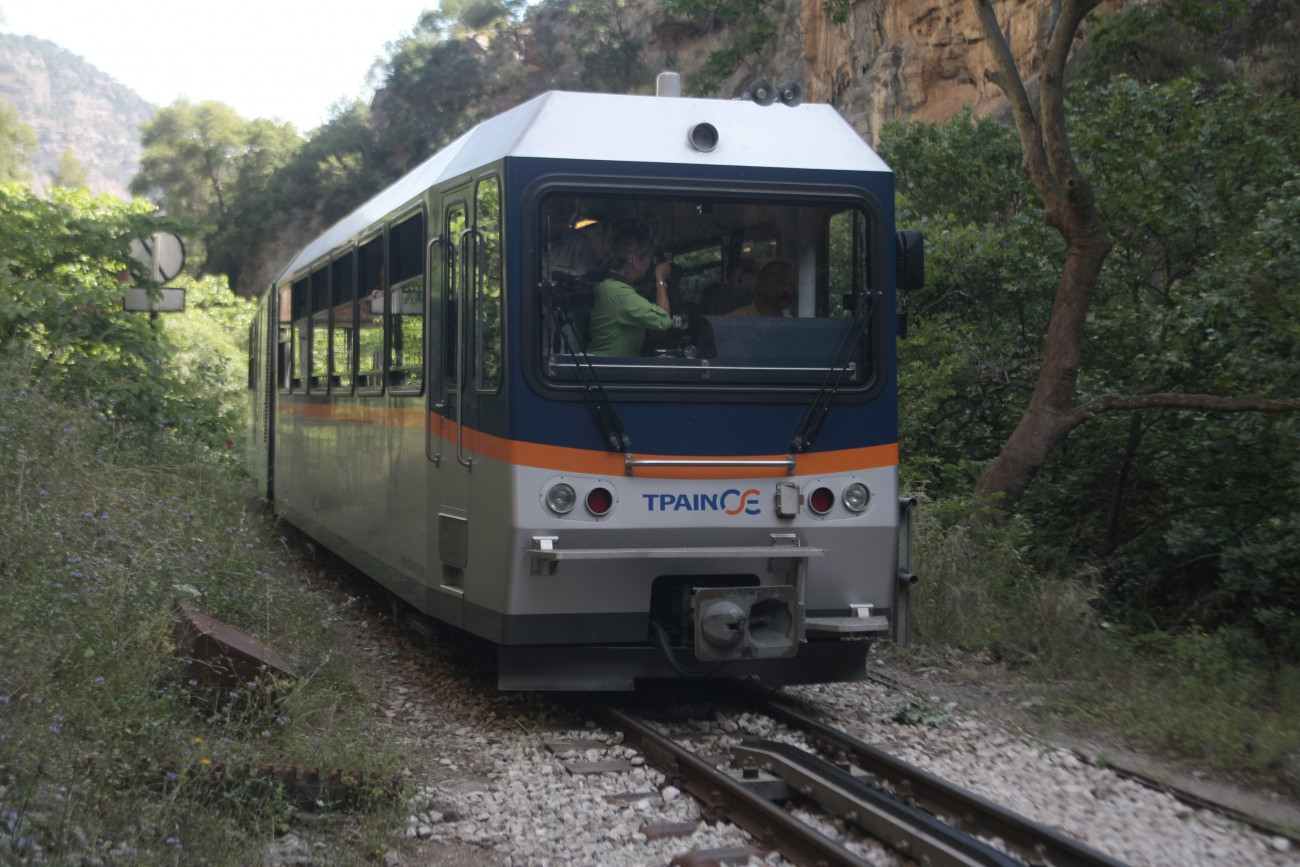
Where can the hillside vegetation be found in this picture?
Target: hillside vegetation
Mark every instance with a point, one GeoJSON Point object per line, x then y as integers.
{"type": "Point", "coordinates": [75, 112]}
{"type": "Point", "coordinates": [123, 499]}
{"type": "Point", "coordinates": [1148, 571]}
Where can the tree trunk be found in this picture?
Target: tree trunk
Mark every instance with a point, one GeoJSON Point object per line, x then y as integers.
{"type": "Point", "coordinates": [1051, 414]}
{"type": "Point", "coordinates": [1071, 210]}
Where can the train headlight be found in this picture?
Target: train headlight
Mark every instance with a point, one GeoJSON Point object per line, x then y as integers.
{"type": "Point", "coordinates": [561, 498]}
{"type": "Point", "coordinates": [856, 497]}
{"type": "Point", "coordinates": [821, 500]}
{"type": "Point", "coordinates": [599, 501]}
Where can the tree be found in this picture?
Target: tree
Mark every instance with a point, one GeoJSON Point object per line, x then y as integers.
{"type": "Point", "coordinates": [1071, 210]}
{"type": "Point", "coordinates": [69, 172]}
{"type": "Point", "coordinates": [17, 142]}
{"type": "Point", "coordinates": [63, 274]}
{"type": "Point", "coordinates": [189, 158]}
{"type": "Point", "coordinates": [1181, 515]}
{"type": "Point", "coordinates": [752, 25]}
{"type": "Point", "coordinates": [612, 56]}
{"type": "Point", "coordinates": [199, 160]}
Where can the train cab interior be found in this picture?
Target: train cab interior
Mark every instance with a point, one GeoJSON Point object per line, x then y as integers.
{"type": "Point", "coordinates": [728, 322]}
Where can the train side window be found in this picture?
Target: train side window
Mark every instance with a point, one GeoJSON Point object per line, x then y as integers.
{"type": "Point", "coordinates": [301, 307]}
{"type": "Point", "coordinates": [342, 332]}
{"type": "Point", "coordinates": [370, 315]}
{"type": "Point", "coordinates": [320, 330]}
{"type": "Point", "coordinates": [406, 304]}
{"type": "Point", "coordinates": [487, 288]}
{"type": "Point", "coordinates": [455, 226]}
{"type": "Point", "coordinates": [284, 338]}
{"type": "Point", "coordinates": [846, 262]}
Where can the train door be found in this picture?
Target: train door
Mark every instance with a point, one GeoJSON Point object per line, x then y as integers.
{"type": "Point", "coordinates": [450, 267]}
{"type": "Point", "coordinates": [472, 357]}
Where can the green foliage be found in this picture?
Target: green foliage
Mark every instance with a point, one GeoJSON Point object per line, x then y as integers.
{"type": "Point", "coordinates": [326, 176]}
{"type": "Point", "coordinates": [17, 143]}
{"type": "Point", "coordinates": [189, 158]}
{"type": "Point", "coordinates": [61, 306]}
{"type": "Point", "coordinates": [207, 164]}
{"type": "Point", "coordinates": [433, 91]}
{"type": "Point", "coordinates": [1151, 44]}
{"type": "Point", "coordinates": [752, 25]}
{"type": "Point", "coordinates": [973, 350]}
{"type": "Point", "coordinates": [104, 745]}
{"type": "Point", "coordinates": [612, 56]}
{"type": "Point", "coordinates": [1183, 516]}
{"type": "Point", "coordinates": [1253, 40]}
{"type": "Point", "coordinates": [69, 172]}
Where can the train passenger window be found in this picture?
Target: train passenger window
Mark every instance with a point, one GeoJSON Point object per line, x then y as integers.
{"type": "Point", "coordinates": [320, 330]}
{"type": "Point", "coordinates": [406, 304]}
{"type": "Point", "coordinates": [343, 320]}
{"type": "Point", "coordinates": [301, 308]}
{"type": "Point", "coordinates": [759, 290]}
{"type": "Point", "coordinates": [453, 231]}
{"type": "Point", "coordinates": [370, 315]}
{"type": "Point", "coordinates": [487, 289]}
{"type": "Point", "coordinates": [284, 337]}
{"type": "Point", "coordinates": [253, 353]}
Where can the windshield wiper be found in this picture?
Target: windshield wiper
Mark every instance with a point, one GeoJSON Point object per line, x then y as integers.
{"type": "Point", "coordinates": [553, 292]}
{"type": "Point", "coordinates": [821, 403]}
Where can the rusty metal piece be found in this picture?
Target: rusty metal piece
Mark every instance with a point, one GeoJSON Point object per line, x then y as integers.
{"type": "Point", "coordinates": [719, 857]}
{"type": "Point", "coordinates": [311, 775]}
{"type": "Point", "coordinates": [220, 659]}
{"type": "Point", "coordinates": [664, 830]}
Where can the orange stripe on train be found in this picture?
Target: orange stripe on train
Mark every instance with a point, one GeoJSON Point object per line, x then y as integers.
{"type": "Point", "coordinates": [589, 462]}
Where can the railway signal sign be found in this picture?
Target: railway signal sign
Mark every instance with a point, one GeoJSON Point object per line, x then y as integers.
{"type": "Point", "coordinates": [164, 255]}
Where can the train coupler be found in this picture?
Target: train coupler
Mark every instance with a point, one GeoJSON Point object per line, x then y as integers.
{"type": "Point", "coordinates": [733, 623]}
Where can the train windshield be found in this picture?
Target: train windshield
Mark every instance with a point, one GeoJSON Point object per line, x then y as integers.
{"type": "Point", "coordinates": [656, 289]}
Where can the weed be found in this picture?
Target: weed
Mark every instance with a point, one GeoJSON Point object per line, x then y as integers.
{"type": "Point", "coordinates": [1218, 698]}
{"type": "Point", "coordinates": [105, 752]}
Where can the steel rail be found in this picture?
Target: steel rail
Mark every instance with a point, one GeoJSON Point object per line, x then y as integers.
{"type": "Point", "coordinates": [970, 812]}
{"type": "Point", "coordinates": [723, 798]}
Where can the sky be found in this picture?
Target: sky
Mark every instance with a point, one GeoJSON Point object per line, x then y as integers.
{"type": "Point", "coordinates": [277, 59]}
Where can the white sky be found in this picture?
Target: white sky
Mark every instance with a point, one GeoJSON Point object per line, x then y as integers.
{"type": "Point", "coordinates": [285, 59]}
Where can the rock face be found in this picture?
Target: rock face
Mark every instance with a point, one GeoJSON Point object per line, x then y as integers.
{"type": "Point", "coordinates": [899, 59]}
{"type": "Point", "coordinates": [71, 105]}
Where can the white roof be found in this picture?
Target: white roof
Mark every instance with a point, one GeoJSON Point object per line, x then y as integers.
{"type": "Point", "coordinates": [609, 127]}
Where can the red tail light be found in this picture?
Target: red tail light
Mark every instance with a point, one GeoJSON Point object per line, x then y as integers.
{"type": "Point", "coordinates": [821, 500]}
{"type": "Point", "coordinates": [599, 501]}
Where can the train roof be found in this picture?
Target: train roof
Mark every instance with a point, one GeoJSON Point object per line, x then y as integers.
{"type": "Point", "coordinates": [619, 128]}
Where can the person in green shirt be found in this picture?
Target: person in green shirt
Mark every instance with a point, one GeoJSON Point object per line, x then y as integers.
{"type": "Point", "coordinates": [621, 316]}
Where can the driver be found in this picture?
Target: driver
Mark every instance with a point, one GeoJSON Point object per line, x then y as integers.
{"type": "Point", "coordinates": [621, 316]}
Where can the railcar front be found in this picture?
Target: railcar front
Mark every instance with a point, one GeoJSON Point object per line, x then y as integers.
{"type": "Point", "coordinates": [721, 498]}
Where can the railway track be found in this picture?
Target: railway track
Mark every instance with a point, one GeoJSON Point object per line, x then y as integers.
{"type": "Point", "coordinates": [917, 816]}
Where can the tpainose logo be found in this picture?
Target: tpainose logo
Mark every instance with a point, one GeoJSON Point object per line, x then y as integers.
{"type": "Point", "coordinates": [732, 502]}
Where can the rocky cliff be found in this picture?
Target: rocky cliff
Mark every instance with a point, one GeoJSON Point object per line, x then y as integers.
{"type": "Point", "coordinates": [73, 106]}
{"type": "Point", "coordinates": [899, 59]}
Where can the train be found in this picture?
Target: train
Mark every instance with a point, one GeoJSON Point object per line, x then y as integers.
{"type": "Point", "coordinates": [610, 381]}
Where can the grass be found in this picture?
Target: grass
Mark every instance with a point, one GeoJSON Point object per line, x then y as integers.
{"type": "Point", "coordinates": [1208, 698]}
{"type": "Point", "coordinates": [105, 749]}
